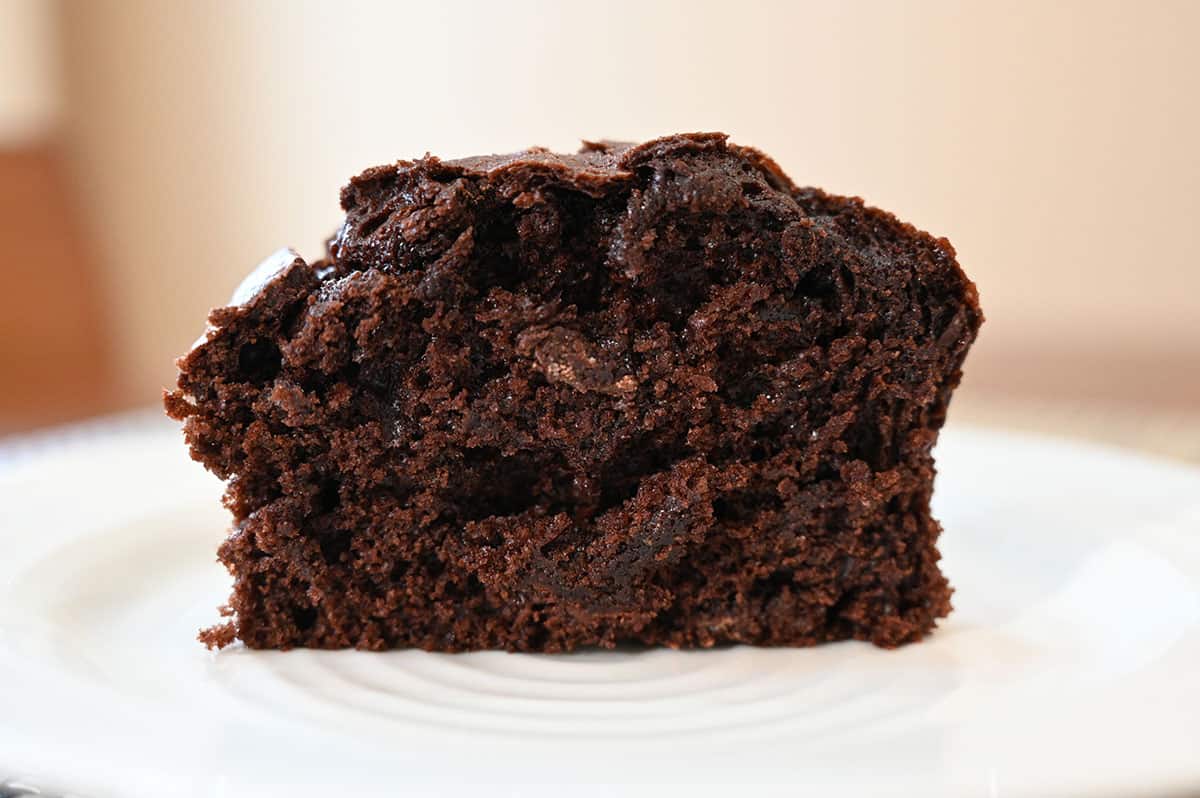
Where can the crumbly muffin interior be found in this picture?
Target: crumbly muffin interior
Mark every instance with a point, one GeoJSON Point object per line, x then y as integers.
{"type": "Point", "coordinates": [643, 394]}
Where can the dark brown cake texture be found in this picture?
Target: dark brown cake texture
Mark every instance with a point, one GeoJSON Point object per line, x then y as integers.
{"type": "Point", "coordinates": [651, 394]}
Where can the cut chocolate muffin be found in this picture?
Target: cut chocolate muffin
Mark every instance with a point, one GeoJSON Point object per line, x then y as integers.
{"type": "Point", "coordinates": [650, 394]}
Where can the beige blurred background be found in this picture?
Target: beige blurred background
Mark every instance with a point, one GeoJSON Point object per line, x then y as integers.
{"type": "Point", "coordinates": [151, 153]}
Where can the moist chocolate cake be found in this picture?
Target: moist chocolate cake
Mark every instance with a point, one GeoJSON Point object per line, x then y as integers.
{"type": "Point", "coordinates": [651, 394]}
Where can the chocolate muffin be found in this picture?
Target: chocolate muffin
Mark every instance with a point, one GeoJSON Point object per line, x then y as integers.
{"type": "Point", "coordinates": [651, 394]}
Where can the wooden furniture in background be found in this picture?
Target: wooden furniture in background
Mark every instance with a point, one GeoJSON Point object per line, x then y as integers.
{"type": "Point", "coordinates": [54, 354]}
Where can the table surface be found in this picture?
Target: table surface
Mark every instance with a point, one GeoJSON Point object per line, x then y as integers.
{"type": "Point", "coordinates": [1164, 432]}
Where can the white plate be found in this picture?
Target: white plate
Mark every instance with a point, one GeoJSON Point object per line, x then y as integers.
{"type": "Point", "coordinates": [1071, 665]}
